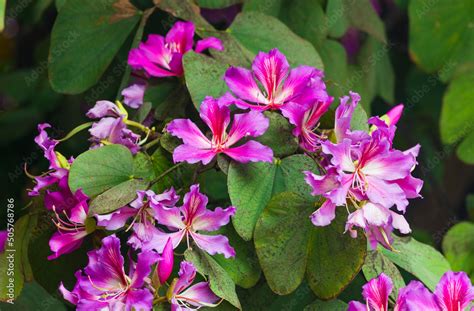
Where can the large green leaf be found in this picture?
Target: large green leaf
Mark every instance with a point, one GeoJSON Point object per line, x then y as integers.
{"type": "Point", "coordinates": [34, 297]}
{"type": "Point", "coordinates": [421, 260]}
{"type": "Point", "coordinates": [441, 35]}
{"type": "Point", "coordinates": [335, 258]}
{"type": "Point", "coordinates": [204, 77]}
{"type": "Point", "coordinates": [252, 185]}
{"type": "Point", "coordinates": [85, 38]}
{"type": "Point", "coordinates": [259, 32]}
{"type": "Point", "coordinates": [458, 247]}
{"type": "Point", "coordinates": [336, 19]}
{"type": "Point", "coordinates": [290, 247]}
{"type": "Point", "coordinates": [465, 151]}
{"type": "Point", "coordinates": [110, 173]}
{"type": "Point", "coordinates": [458, 112]}
{"type": "Point", "coordinates": [14, 265]}
{"type": "Point", "coordinates": [279, 135]}
{"type": "Point", "coordinates": [306, 18]}
{"type": "Point", "coordinates": [243, 268]}
{"type": "Point", "coordinates": [376, 263]}
{"type": "Point", "coordinates": [220, 282]}
{"type": "Point", "coordinates": [335, 64]}
{"type": "Point", "coordinates": [282, 238]}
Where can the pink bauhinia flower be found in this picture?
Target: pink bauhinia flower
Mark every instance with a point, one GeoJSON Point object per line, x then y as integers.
{"type": "Point", "coordinates": [182, 296]}
{"type": "Point", "coordinates": [280, 84]}
{"type": "Point", "coordinates": [454, 292]}
{"type": "Point", "coordinates": [375, 293]}
{"type": "Point", "coordinates": [163, 56]}
{"type": "Point", "coordinates": [305, 116]}
{"type": "Point", "coordinates": [192, 218]}
{"type": "Point", "coordinates": [112, 127]}
{"type": "Point", "coordinates": [58, 165]}
{"type": "Point", "coordinates": [104, 285]}
{"type": "Point", "coordinates": [144, 214]}
{"type": "Point", "coordinates": [73, 226]}
{"type": "Point", "coordinates": [216, 114]}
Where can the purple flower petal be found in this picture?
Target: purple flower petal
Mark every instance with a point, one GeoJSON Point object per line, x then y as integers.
{"type": "Point", "coordinates": [376, 292]}
{"type": "Point", "coordinates": [214, 244]}
{"type": "Point", "coordinates": [216, 116]}
{"type": "Point", "coordinates": [209, 43]}
{"type": "Point", "coordinates": [251, 151]}
{"type": "Point", "coordinates": [241, 82]}
{"type": "Point", "coordinates": [165, 265]}
{"type": "Point", "coordinates": [296, 83]}
{"type": "Point", "coordinates": [104, 108]}
{"type": "Point", "coordinates": [324, 215]}
{"type": "Point", "coordinates": [138, 299]}
{"type": "Point", "coordinates": [199, 295]}
{"type": "Point", "coordinates": [3, 240]}
{"type": "Point", "coordinates": [213, 220]}
{"type": "Point", "coordinates": [180, 38]}
{"type": "Point", "coordinates": [454, 291]}
{"type": "Point", "coordinates": [64, 243]}
{"type": "Point", "coordinates": [252, 124]}
{"type": "Point", "coordinates": [117, 219]}
{"type": "Point", "coordinates": [133, 95]}
{"type": "Point", "coordinates": [322, 184]}
{"type": "Point", "coordinates": [415, 297]}
{"type": "Point", "coordinates": [270, 69]}
{"type": "Point", "coordinates": [189, 133]}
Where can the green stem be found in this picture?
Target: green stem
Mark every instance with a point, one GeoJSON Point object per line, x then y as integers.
{"type": "Point", "coordinates": [152, 143]}
{"type": "Point", "coordinates": [76, 130]}
{"type": "Point", "coordinates": [157, 179]}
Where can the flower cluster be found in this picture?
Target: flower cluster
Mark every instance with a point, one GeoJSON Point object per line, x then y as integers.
{"type": "Point", "coordinates": [454, 292]}
{"type": "Point", "coordinates": [364, 173]}
{"type": "Point", "coordinates": [360, 170]}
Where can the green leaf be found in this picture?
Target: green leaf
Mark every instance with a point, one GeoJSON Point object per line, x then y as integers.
{"type": "Point", "coordinates": [421, 260]}
{"type": "Point", "coordinates": [259, 32]}
{"type": "Point", "coordinates": [335, 258]}
{"type": "Point", "coordinates": [306, 18]}
{"type": "Point", "coordinates": [220, 282]}
{"type": "Point", "coordinates": [441, 35]}
{"type": "Point", "coordinates": [279, 135]}
{"type": "Point", "coordinates": [362, 16]}
{"type": "Point", "coordinates": [85, 38]}
{"type": "Point", "coordinates": [272, 8]}
{"type": "Point", "coordinates": [458, 247]}
{"type": "Point", "coordinates": [465, 151]}
{"type": "Point", "coordinates": [336, 19]}
{"type": "Point", "coordinates": [290, 247]}
{"type": "Point", "coordinates": [34, 297]}
{"type": "Point", "coordinates": [3, 6]}
{"type": "Point", "coordinates": [334, 58]}
{"type": "Point", "coordinates": [359, 119]}
{"type": "Point", "coordinates": [457, 112]}
{"type": "Point", "coordinates": [14, 265]}
{"type": "Point", "coordinates": [117, 196]}
{"type": "Point", "coordinates": [243, 268]}
{"type": "Point", "coordinates": [98, 170]}
{"type": "Point", "coordinates": [252, 185]}
{"type": "Point", "coordinates": [60, 4]}
{"type": "Point", "coordinates": [376, 263]}
{"type": "Point", "coordinates": [282, 238]}
{"type": "Point", "coordinates": [331, 305]}
{"type": "Point", "coordinates": [217, 4]}
{"type": "Point", "coordinates": [204, 77]}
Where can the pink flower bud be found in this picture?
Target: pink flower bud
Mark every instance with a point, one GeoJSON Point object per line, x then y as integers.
{"type": "Point", "coordinates": [394, 114]}
{"type": "Point", "coordinates": [165, 265]}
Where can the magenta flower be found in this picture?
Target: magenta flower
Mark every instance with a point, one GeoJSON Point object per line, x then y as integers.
{"type": "Point", "coordinates": [280, 84]}
{"type": "Point", "coordinates": [3, 240]}
{"type": "Point", "coordinates": [144, 212]}
{"type": "Point", "coordinates": [111, 128]}
{"type": "Point", "coordinates": [454, 292]}
{"type": "Point", "coordinates": [187, 220]}
{"type": "Point", "coordinates": [183, 297]}
{"type": "Point", "coordinates": [163, 56]}
{"type": "Point", "coordinates": [306, 116]}
{"type": "Point", "coordinates": [104, 284]}
{"type": "Point", "coordinates": [376, 293]}
{"type": "Point", "coordinates": [133, 95]}
{"type": "Point", "coordinates": [165, 264]}
{"type": "Point", "coordinates": [57, 163]}
{"type": "Point", "coordinates": [343, 118]}
{"type": "Point", "coordinates": [216, 114]}
{"type": "Point", "coordinates": [72, 227]}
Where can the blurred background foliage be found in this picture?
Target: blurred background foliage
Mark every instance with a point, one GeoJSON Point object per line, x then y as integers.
{"type": "Point", "coordinates": [420, 53]}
